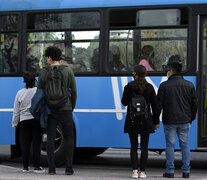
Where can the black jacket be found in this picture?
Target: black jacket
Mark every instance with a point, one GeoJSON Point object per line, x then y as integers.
{"type": "Point", "coordinates": [151, 99]}
{"type": "Point", "coordinates": [177, 98]}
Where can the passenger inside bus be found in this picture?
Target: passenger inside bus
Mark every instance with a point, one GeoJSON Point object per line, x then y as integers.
{"type": "Point", "coordinates": [32, 62]}
{"type": "Point", "coordinates": [94, 59]}
{"type": "Point", "coordinates": [147, 55]}
{"type": "Point", "coordinates": [10, 53]}
{"type": "Point", "coordinates": [71, 57]}
{"type": "Point", "coordinates": [115, 63]}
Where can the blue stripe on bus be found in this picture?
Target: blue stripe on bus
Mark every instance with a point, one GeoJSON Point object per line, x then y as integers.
{"type": "Point", "coordinates": [12, 5]}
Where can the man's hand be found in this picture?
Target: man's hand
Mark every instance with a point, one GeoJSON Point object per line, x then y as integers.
{"type": "Point", "coordinates": [156, 126]}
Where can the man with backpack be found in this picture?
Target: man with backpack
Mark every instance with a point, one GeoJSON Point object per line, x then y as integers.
{"type": "Point", "coordinates": [59, 86]}
{"type": "Point", "coordinates": [177, 99]}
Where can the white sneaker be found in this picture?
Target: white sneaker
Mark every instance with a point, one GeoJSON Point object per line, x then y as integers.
{"type": "Point", "coordinates": [39, 170]}
{"type": "Point", "coordinates": [135, 174]}
{"type": "Point", "coordinates": [44, 137]}
{"type": "Point", "coordinates": [142, 174]}
{"type": "Point", "coordinates": [25, 170]}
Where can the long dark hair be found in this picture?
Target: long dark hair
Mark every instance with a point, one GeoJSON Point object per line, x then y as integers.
{"type": "Point", "coordinates": [29, 79]}
{"type": "Point", "coordinates": [140, 77]}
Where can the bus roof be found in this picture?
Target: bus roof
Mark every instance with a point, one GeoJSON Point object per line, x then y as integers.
{"type": "Point", "coordinates": [15, 5]}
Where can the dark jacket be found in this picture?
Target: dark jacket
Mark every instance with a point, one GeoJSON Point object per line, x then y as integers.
{"type": "Point", "coordinates": [39, 108]}
{"type": "Point", "coordinates": [151, 99]}
{"type": "Point", "coordinates": [177, 98]}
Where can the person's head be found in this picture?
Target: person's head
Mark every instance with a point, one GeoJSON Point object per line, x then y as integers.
{"type": "Point", "coordinates": [174, 65]}
{"type": "Point", "coordinates": [140, 73]}
{"type": "Point", "coordinates": [147, 52]}
{"type": "Point", "coordinates": [29, 80]}
{"type": "Point", "coordinates": [115, 52]}
{"type": "Point", "coordinates": [53, 53]}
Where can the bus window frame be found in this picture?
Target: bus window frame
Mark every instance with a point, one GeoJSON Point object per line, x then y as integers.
{"type": "Point", "coordinates": [19, 32]}
{"type": "Point", "coordinates": [94, 73]}
{"type": "Point", "coordinates": [149, 73]}
{"type": "Point", "coordinates": [201, 139]}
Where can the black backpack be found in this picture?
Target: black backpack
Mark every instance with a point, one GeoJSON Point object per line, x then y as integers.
{"type": "Point", "coordinates": [56, 91]}
{"type": "Point", "coordinates": [138, 112]}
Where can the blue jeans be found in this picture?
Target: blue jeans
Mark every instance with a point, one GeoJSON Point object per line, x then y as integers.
{"type": "Point", "coordinates": [182, 131]}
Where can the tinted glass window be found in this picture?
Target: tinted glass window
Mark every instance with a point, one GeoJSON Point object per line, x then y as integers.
{"type": "Point", "coordinates": [8, 52]}
{"type": "Point", "coordinates": [8, 22]}
{"type": "Point", "coordinates": [79, 49]}
{"type": "Point", "coordinates": [158, 17]}
{"type": "Point", "coordinates": [164, 17]}
{"type": "Point", "coordinates": [151, 48]}
{"type": "Point", "coordinates": [64, 20]}
{"type": "Point", "coordinates": [204, 79]}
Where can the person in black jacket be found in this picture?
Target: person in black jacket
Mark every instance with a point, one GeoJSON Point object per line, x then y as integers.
{"type": "Point", "coordinates": [141, 87]}
{"type": "Point", "coordinates": [177, 99]}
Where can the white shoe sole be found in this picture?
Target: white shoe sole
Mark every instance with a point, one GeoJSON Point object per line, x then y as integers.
{"type": "Point", "coordinates": [39, 172]}
{"type": "Point", "coordinates": [142, 176]}
{"type": "Point", "coordinates": [134, 177]}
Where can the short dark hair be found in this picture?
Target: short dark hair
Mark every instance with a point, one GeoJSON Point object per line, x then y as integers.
{"type": "Point", "coordinates": [175, 63]}
{"type": "Point", "coordinates": [29, 79]}
{"type": "Point", "coordinates": [53, 52]}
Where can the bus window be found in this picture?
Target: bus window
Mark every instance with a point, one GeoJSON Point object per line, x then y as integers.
{"type": "Point", "coordinates": [141, 42]}
{"type": "Point", "coordinates": [204, 79]}
{"type": "Point", "coordinates": [8, 44]}
{"type": "Point", "coordinates": [77, 20]}
{"type": "Point", "coordinates": [158, 17]}
{"type": "Point", "coordinates": [79, 47]}
{"type": "Point", "coordinates": [165, 43]}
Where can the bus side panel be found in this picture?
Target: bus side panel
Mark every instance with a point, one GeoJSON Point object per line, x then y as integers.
{"type": "Point", "coordinates": [101, 122]}
{"type": "Point", "coordinates": [9, 87]}
{"type": "Point", "coordinates": [99, 114]}
{"type": "Point", "coordinates": [8, 90]}
{"type": "Point", "coordinates": [7, 132]}
{"type": "Point", "coordinates": [193, 128]}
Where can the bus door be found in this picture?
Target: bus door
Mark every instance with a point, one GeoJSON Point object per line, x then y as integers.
{"type": "Point", "coordinates": [202, 123]}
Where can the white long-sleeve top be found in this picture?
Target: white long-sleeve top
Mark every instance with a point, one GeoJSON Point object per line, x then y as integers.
{"type": "Point", "coordinates": [22, 104]}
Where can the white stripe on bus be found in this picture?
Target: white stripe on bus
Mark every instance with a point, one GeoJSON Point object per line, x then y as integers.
{"type": "Point", "coordinates": [84, 110]}
{"type": "Point", "coordinates": [117, 98]}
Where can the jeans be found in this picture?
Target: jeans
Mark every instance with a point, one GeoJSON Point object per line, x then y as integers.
{"type": "Point", "coordinates": [31, 133]}
{"type": "Point", "coordinates": [65, 119]}
{"type": "Point", "coordinates": [182, 131]}
{"type": "Point", "coordinates": [144, 150]}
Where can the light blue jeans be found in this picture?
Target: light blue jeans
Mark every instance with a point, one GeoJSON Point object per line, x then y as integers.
{"type": "Point", "coordinates": [182, 131]}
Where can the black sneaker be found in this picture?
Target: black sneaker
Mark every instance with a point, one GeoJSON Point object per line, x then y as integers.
{"type": "Point", "coordinates": [186, 175]}
{"type": "Point", "coordinates": [69, 172]}
{"type": "Point", "coordinates": [168, 175]}
{"type": "Point", "coordinates": [51, 172]}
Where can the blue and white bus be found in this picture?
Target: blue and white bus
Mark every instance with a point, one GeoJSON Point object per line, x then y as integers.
{"type": "Point", "coordinates": [101, 40]}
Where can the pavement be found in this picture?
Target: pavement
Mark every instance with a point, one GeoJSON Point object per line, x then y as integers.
{"type": "Point", "coordinates": [114, 164]}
